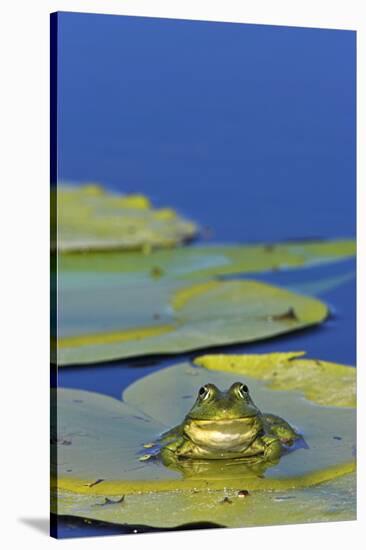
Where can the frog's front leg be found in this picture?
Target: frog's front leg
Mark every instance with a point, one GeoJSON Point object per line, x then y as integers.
{"type": "Point", "coordinates": [272, 448]}
{"type": "Point", "coordinates": [266, 448]}
{"type": "Point", "coordinates": [281, 429]}
{"type": "Point", "coordinates": [179, 448]}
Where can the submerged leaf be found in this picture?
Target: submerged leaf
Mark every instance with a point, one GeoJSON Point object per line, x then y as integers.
{"type": "Point", "coordinates": [108, 436]}
{"type": "Point", "coordinates": [89, 218]}
{"type": "Point", "coordinates": [102, 319]}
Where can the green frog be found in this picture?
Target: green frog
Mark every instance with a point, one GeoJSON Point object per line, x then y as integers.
{"type": "Point", "coordinates": [227, 425]}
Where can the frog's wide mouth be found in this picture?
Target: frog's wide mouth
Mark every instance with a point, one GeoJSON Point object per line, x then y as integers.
{"type": "Point", "coordinates": [224, 433]}
{"type": "Point", "coordinates": [249, 419]}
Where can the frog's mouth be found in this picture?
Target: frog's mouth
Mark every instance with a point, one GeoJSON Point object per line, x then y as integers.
{"type": "Point", "coordinates": [227, 434]}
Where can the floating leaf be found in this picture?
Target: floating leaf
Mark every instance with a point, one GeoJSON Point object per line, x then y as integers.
{"type": "Point", "coordinates": [103, 434]}
{"type": "Point", "coordinates": [320, 381]}
{"type": "Point", "coordinates": [208, 261]}
{"type": "Point", "coordinates": [89, 218]}
{"type": "Point", "coordinates": [331, 501]}
{"type": "Point", "coordinates": [102, 319]}
{"type": "Point", "coordinates": [101, 464]}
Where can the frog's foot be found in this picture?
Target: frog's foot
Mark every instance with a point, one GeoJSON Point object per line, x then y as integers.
{"type": "Point", "coordinates": [175, 450]}
{"type": "Point", "coordinates": [281, 429]}
{"type": "Point", "coordinates": [272, 449]}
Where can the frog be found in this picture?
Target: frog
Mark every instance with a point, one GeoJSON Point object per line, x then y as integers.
{"type": "Point", "coordinates": [227, 425]}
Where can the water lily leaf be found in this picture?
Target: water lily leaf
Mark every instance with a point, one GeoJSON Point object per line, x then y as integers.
{"type": "Point", "coordinates": [103, 319]}
{"type": "Point", "coordinates": [89, 218]}
{"type": "Point", "coordinates": [208, 261]}
{"type": "Point", "coordinates": [100, 441]}
{"type": "Point", "coordinates": [330, 501]}
{"type": "Point", "coordinates": [320, 381]}
{"type": "Point", "coordinates": [98, 437]}
{"type": "Point", "coordinates": [176, 389]}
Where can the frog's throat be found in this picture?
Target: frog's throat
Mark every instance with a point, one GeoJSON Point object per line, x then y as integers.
{"type": "Point", "coordinates": [235, 433]}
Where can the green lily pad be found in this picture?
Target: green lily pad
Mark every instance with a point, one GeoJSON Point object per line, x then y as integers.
{"type": "Point", "coordinates": [103, 319]}
{"type": "Point", "coordinates": [330, 501]}
{"type": "Point", "coordinates": [100, 441]}
{"type": "Point", "coordinates": [89, 218]}
{"type": "Point", "coordinates": [208, 261]}
{"type": "Point", "coordinates": [320, 381]}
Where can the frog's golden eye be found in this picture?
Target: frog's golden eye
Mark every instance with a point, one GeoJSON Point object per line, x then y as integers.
{"type": "Point", "coordinates": [243, 390]}
{"type": "Point", "coordinates": [204, 392]}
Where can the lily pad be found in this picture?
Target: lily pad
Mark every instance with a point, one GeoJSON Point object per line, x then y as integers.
{"type": "Point", "coordinates": [100, 441]}
{"type": "Point", "coordinates": [330, 501]}
{"type": "Point", "coordinates": [207, 261]}
{"type": "Point", "coordinates": [89, 218]}
{"type": "Point", "coordinates": [320, 381]}
{"type": "Point", "coordinates": [102, 319]}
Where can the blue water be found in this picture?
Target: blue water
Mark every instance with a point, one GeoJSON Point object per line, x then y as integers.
{"type": "Point", "coordinates": [247, 129]}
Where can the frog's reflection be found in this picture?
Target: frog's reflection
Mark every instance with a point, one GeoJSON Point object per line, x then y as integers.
{"type": "Point", "coordinates": [219, 469]}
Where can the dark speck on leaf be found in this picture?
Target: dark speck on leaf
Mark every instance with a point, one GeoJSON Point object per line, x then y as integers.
{"type": "Point", "coordinates": [59, 441]}
{"type": "Point", "coordinates": [156, 272]}
{"type": "Point", "coordinates": [226, 500]}
{"type": "Point", "coordinates": [243, 493]}
{"type": "Point", "coordinates": [140, 418]}
{"type": "Point", "coordinates": [337, 437]}
{"type": "Point", "coordinates": [289, 315]}
{"type": "Point", "coordinates": [108, 501]}
{"type": "Point", "coordinates": [95, 483]}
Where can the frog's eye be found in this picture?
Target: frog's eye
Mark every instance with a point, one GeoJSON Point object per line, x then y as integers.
{"type": "Point", "coordinates": [243, 390]}
{"type": "Point", "coordinates": [204, 392]}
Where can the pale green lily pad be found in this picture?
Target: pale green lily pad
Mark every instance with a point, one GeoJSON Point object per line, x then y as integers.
{"type": "Point", "coordinates": [89, 218]}
{"type": "Point", "coordinates": [99, 437]}
{"type": "Point", "coordinates": [100, 441]}
{"type": "Point", "coordinates": [177, 388]}
{"type": "Point", "coordinates": [102, 319]}
{"type": "Point", "coordinates": [320, 381]}
{"type": "Point", "coordinates": [208, 261]}
{"type": "Point", "coordinates": [330, 501]}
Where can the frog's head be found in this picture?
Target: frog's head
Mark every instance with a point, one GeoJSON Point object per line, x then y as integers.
{"type": "Point", "coordinates": [213, 404]}
{"type": "Point", "coordinates": [223, 421]}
